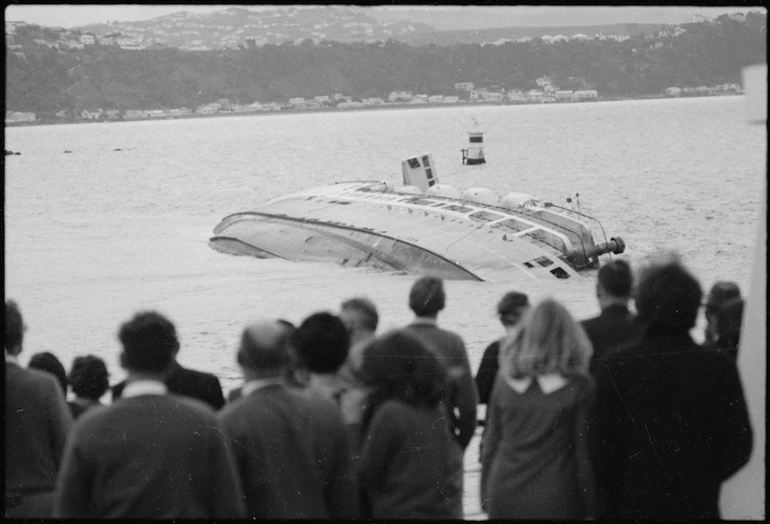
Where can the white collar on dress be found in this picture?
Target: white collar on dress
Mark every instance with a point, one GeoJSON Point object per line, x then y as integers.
{"type": "Point", "coordinates": [11, 359]}
{"type": "Point", "coordinates": [144, 387]}
{"type": "Point", "coordinates": [548, 383]}
{"type": "Point", "coordinates": [253, 385]}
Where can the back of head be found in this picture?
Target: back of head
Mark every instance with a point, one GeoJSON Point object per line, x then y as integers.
{"type": "Point", "coordinates": [549, 341]}
{"type": "Point", "coordinates": [321, 342]}
{"type": "Point", "coordinates": [721, 293]}
{"type": "Point", "coordinates": [364, 311]}
{"type": "Point", "coordinates": [511, 307]}
{"type": "Point", "coordinates": [50, 364]}
{"type": "Point", "coordinates": [616, 278]}
{"type": "Point", "coordinates": [400, 367]}
{"type": "Point", "coordinates": [149, 343]}
{"type": "Point", "coordinates": [668, 296]}
{"type": "Point", "coordinates": [426, 297]}
{"type": "Point", "coordinates": [89, 377]}
{"type": "Point", "coordinates": [263, 346]}
{"type": "Point", "coordinates": [14, 327]}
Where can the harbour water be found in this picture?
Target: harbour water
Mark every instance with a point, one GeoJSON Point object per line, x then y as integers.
{"type": "Point", "coordinates": [122, 222]}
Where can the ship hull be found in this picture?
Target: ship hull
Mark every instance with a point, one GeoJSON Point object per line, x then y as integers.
{"type": "Point", "coordinates": [369, 224]}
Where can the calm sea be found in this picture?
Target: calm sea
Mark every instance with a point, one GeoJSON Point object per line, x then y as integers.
{"type": "Point", "coordinates": [122, 222]}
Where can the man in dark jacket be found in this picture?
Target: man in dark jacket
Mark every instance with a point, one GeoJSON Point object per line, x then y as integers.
{"type": "Point", "coordinates": [187, 382]}
{"type": "Point", "coordinates": [289, 443]}
{"type": "Point", "coordinates": [672, 419]}
{"type": "Point", "coordinates": [151, 454]}
{"type": "Point", "coordinates": [426, 299]}
{"type": "Point", "coordinates": [616, 324]}
{"type": "Point", "coordinates": [36, 424]}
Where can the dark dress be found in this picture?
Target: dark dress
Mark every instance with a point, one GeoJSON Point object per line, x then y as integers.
{"type": "Point", "coordinates": [673, 425]}
{"type": "Point", "coordinates": [535, 462]}
{"type": "Point", "coordinates": [410, 466]}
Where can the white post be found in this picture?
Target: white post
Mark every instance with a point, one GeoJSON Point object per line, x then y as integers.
{"type": "Point", "coordinates": [743, 495]}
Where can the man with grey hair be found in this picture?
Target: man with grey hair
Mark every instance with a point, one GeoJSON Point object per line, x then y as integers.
{"type": "Point", "coordinates": [426, 299]}
{"type": "Point", "coordinates": [290, 445]}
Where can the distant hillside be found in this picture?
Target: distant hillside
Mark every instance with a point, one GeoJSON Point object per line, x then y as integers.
{"type": "Point", "coordinates": [235, 26]}
{"type": "Point", "coordinates": [474, 17]}
{"type": "Point", "coordinates": [482, 36]}
{"type": "Point", "coordinates": [44, 79]}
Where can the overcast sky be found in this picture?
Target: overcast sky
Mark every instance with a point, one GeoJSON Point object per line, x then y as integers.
{"type": "Point", "coordinates": [83, 14]}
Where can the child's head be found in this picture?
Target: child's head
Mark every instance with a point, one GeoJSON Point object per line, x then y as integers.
{"type": "Point", "coordinates": [549, 341]}
{"type": "Point", "coordinates": [400, 367]}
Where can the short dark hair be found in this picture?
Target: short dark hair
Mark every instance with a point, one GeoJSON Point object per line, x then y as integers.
{"type": "Point", "coordinates": [259, 355]}
{"type": "Point", "coordinates": [89, 377]}
{"type": "Point", "coordinates": [149, 342]}
{"type": "Point", "coordinates": [369, 316]}
{"type": "Point", "coordinates": [399, 366]}
{"type": "Point", "coordinates": [511, 303]}
{"type": "Point", "coordinates": [321, 342]}
{"type": "Point", "coordinates": [14, 325]}
{"type": "Point", "coordinates": [615, 278]}
{"type": "Point", "coordinates": [427, 296]}
{"type": "Point", "coordinates": [668, 295]}
{"type": "Point", "coordinates": [48, 362]}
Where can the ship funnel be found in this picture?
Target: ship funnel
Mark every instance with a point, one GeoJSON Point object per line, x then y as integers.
{"type": "Point", "coordinates": [419, 171]}
{"type": "Point", "coordinates": [615, 245]}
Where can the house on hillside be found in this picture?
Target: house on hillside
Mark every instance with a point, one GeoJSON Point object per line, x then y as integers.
{"type": "Point", "coordinates": [464, 86]}
{"type": "Point", "coordinates": [90, 115]}
{"type": "Point", "coordinates": [585, 94]}
{"type": "Point", "coordinates": [18, 117]}
{"type": "Point", "coordinates": [400, 96]}
{"type": "Point", "coordinates": [673, 91]}
{"type": "Point", "coordinates": [534, 95]}
{"type": "Point", "coordinates": [436, 99]}
{"type": "Point", "coordinates": [88, 39]}
{"type": "Point", "coordinates": [563, 95]}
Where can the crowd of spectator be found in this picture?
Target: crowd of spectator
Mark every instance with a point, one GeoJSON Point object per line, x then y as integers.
{"type": "Point", "coordinates": [619, 416]}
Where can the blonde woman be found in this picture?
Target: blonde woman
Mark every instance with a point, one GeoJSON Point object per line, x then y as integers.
{"type": "Point", "coordinates": [535, 460]}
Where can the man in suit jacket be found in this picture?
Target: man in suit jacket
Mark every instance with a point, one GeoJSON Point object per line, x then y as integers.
{"type": "Point", "coordinates": [150, 455]}
{"type": "Point", "coordinates": [36, 424]}
{"type": "Point", "coordinates": [426, 299]}
{"type": "Point", "coordinates": [672, 419]}
{"type": "Point", "coordinates": [289, 443]}
{"type": "Point", "coordinates": [187, 382]}
{"type": "Point", "coordinates": [616, 324]}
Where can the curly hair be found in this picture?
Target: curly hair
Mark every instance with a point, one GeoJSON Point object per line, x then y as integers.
{"type": "Point", "coordinates": [321, 342]}
{"type": "Point", "coordinates": [668, 296]}
{"type": "Point", "coordinates": [89, 377]}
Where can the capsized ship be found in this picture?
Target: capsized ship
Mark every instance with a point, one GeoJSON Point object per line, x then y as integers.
{"type": "Point", "coordinates": [421, 227]}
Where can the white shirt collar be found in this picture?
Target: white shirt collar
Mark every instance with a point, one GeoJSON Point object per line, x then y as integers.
{"type": "Point", "coordinates": [425, 320]}
{"type": "Point", "coordinates": [144, 387]}
{"type": "Point", "coordinates": [11, 359]}
{"type": "Point", "coordinates": [253, 385]}
{"type": "Point", "coordinates": [548, 383]}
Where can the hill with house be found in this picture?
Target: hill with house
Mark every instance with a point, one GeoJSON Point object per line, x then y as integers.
{"type": "Point", "coordinates": [52, 71]}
